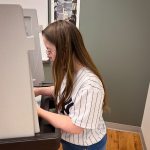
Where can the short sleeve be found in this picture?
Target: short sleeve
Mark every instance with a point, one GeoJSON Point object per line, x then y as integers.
{"type": "Point", "coordinates": [87, 108]}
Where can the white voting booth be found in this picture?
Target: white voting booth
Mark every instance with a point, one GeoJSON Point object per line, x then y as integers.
{"type": "Point", "coordinates": [15, 75]}
{"type": "Point", "coordinates": [19, 44]}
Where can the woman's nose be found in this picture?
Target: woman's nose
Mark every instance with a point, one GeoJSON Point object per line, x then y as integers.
{"type": "Point", "coordinates": [48, 55]}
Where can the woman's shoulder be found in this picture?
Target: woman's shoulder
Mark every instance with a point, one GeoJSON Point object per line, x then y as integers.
{"type": "Point", "coordinates": [88, 80]}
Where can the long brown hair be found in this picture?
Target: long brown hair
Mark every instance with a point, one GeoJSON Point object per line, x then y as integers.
{"type": "Point", "coordinates": [68, 41]}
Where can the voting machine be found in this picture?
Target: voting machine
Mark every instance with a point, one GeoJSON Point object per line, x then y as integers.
{"type": "Point", "coordinates": [20, 127]}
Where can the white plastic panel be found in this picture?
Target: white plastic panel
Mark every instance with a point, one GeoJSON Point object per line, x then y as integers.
{"type": "Point", "coordinates": [18, 114]}
{"type": "Point", "coordinates": [35, 57]}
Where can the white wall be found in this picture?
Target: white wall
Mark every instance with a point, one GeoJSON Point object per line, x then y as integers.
{"type": "Point", "coordinates": [146, 121]}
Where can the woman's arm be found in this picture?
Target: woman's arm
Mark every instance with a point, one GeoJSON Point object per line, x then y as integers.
{"type": "Point", "coordinates": [59, 121]}
{"type": "Point", "coordinates": [47, 91]}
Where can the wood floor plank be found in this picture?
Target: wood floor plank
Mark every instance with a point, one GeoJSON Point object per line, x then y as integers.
{"type": "Point", "coordinates": [122, 140]}
{"type": "Point", "coordinates": [130, 141]}
{"type": "Point", "coordinates": [109, 140]}
{"type": "Point", "coordinates": [112, 140]}
{"type": "Point", "coordinates": [138, 143]}
{"type": "Point", "coordinates": [115, 140]}
{"type": "Point", "coordinates": [108, 146]}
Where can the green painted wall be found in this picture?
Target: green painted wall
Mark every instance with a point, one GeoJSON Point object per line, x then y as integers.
{"type": "Point", "coordinates": [117, 36]}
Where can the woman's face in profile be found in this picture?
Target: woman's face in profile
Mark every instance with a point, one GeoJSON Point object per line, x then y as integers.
{"type": "Point", "coordinates": [51, 49]}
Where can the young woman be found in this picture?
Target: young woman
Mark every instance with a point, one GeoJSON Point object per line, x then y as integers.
{"type": "Point", "coordinates": [79, 91]}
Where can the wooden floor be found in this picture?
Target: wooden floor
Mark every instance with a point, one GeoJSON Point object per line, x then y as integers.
{"type": "Point", "coordinates": [118, 140]}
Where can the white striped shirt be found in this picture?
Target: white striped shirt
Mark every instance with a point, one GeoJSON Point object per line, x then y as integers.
{"type": "Point", "coordinates": [85, 108]}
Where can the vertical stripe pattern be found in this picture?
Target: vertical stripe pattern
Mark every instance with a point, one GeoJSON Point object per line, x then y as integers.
{"type": "Point", "coordinates": [86, 109]}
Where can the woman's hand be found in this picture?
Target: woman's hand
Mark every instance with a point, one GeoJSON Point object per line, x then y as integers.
{"type": "Point", "coordinates": [47, 91]}
{"type": "Point", "coordinates": [36, 92]}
